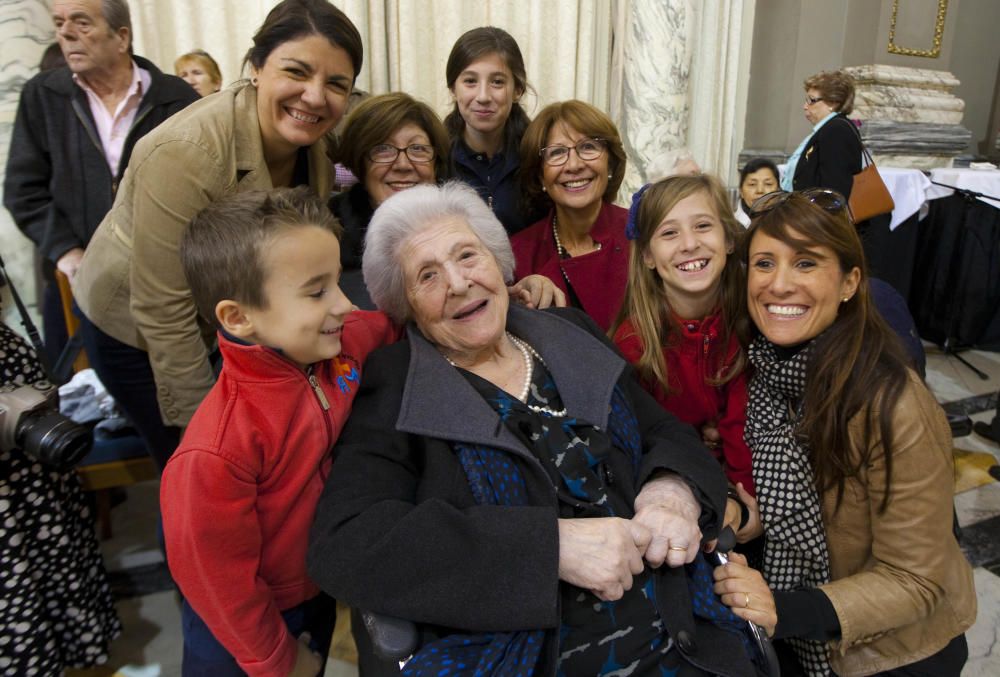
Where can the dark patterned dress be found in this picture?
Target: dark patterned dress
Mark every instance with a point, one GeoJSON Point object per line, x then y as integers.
{"type": "Point", "coordinates": [625, 637]}
{"type": "Point", "coordinates": [55, 604]}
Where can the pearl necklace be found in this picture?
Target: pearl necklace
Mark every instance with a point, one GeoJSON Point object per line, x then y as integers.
{"type": "Point", "coordinates": [527, 352]}
{"type": "Point", "coordinates": [562, 251]}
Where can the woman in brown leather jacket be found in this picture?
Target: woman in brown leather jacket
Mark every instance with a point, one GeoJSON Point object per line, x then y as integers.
{"type": "Point", "coordinates": [851, 458]}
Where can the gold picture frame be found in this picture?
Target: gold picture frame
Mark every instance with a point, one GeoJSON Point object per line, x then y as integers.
{"type": "Point", "coordinates": [932, 53]}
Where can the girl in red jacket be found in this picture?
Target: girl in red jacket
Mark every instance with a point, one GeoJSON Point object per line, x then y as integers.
{"type": "Point", "coordinates": [679, 323]}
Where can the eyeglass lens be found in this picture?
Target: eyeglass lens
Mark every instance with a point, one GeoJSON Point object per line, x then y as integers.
{"type": "Point", "coordinates": [416, 152]}
{"type": "Point", "coordinates": [588, 149]}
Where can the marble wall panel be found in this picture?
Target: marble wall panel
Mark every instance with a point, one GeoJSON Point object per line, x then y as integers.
{"type": "Point", "coordinates": [943, 117]}
{"type": "Point", "coordinates": [922, 162]}
{"type": "Point", "coordinates": [655, 82]}
{"type": "Point", "coordinates": [922, 78]}
{"type": "Point", "coordinates": [910, 117]}
{"type": "Point", "coordinates": [906, 97]}
{"type": "Point", "coordinates": [25, 31]}
{"type": "Point", "coordinates": [890, 136]}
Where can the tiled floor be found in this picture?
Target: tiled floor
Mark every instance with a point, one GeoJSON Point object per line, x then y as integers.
{"type": "Point", "coordinates": [150, 644]}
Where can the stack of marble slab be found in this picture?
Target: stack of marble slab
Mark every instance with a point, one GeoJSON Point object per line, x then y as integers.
{"type": "Point", "coordinates": [909, 116]}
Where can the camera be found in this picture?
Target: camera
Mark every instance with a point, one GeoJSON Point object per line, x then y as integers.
{"type": "Point", "coordinates": [30, 421]}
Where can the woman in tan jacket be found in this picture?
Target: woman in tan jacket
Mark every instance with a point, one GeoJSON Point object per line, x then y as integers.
{"type": "Point", "coordinates": [267, 132]}
{"type": "Point", "coordinates": [851, 458]}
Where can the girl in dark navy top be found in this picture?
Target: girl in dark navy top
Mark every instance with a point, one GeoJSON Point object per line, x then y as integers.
{"type": "Point", "coordinates": [486, 77]}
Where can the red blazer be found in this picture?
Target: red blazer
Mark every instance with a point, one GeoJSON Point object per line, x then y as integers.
{"type": "Point", "coordinates": [692, 358]}
{"type": "Point", "coordinates": [598, 278]}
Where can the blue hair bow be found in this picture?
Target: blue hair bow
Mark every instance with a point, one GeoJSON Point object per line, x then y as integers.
{"type": "Point", "coordinates": [632, 228]}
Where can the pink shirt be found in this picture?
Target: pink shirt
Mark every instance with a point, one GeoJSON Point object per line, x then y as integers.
{"type": "Point", "coordinates": [113, 128]}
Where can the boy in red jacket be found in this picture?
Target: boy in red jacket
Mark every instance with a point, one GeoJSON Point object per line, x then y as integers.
{"type": "Point", "coordinates": [238, 495]}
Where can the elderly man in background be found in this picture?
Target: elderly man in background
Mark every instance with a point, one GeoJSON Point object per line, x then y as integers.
{"type": "Point", "coordinates": [75, 129]}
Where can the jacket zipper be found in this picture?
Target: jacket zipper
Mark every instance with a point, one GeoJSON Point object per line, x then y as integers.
{"type": "Point", "coordinates": [320, 395]}
{"type": "Point", "coordinates": [324, 403]}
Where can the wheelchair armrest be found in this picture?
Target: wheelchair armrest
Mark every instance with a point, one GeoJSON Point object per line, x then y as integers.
{"type": "Point", "coordinates": [393, 639]}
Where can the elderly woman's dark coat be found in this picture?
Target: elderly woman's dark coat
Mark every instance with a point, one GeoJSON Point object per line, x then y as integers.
{"type": "Point", "coordinates": [398, 531]}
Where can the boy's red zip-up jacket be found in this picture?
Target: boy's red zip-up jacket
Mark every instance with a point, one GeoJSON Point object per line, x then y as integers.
{"type": "Point", "coordinates": [691, 359]}
{"type": "Point", "coordinates": [239, 493]}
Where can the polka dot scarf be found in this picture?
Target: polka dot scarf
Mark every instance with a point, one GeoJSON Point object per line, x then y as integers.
{"type": "Point", "coordinates": [795, 554]}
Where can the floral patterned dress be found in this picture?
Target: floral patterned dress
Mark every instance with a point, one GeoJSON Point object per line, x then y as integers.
{"type": "Point", "coordinates": [56, 609]}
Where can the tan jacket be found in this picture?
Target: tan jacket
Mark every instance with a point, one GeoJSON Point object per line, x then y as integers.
{"type": "Point", "coordinates": [131, 284]}
{"type": "Point", "coordinates": [901, 586]}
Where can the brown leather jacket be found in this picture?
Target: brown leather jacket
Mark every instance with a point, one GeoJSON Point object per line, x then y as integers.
{"type": "Point", "coordinates": [901, 586]}
{"type": "Point", "coordinates": [131, 284]}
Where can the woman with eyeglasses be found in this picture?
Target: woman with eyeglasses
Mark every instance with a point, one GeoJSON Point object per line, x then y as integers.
{"type": "Point", "coordinates": [486, 77]}
{"type": "Point", "coordinates": [390, 142]}
{"type": "Point", "coordinates": [852, 459]}
{"type": "Point", "coordinates": [572, 164]}
{"type": "Point", "coordinates": [831, 155]}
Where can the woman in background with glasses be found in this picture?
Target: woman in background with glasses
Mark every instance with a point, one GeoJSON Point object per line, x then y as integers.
{"type": "Point", "coordinates": [852, 459]}
{"type": "Point", "coordinates": [391, 142]}
{"type": "Point", "coordinates": [831, 155]}
{"type": "Point", "coordinates": [572, 163]}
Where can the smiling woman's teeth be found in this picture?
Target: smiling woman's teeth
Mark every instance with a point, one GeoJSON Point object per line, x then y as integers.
{"type": "Point", "coordinates": [691, 266]}
{"type": "Point", "coordinates": [302, 117]}
{"type": "Point", "coordinates": [786, 310]}
{"type": "Point", "coordinates": [577, 183]}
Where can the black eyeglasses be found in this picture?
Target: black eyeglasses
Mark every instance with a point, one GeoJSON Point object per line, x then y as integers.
{"type": "Point", "coordinates": [588, 149]}
{"type": "Point", "coordinates": [385, 153]}
{"type": "Point", "coordinates": [813, 99]}
{"type": "Point", "coordinates": [828, 200]}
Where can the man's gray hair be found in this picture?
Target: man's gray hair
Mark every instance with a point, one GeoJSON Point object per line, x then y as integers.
{"type": "Point", "coordinates": [117, 14]}
{"type": "Point", "coordinates": [411, 211]}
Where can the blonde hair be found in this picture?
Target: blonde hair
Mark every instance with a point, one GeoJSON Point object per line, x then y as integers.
{"type": "Point", "coordinates": [203, 59]}
{"type": "Point", "coordinates": [646, 305]}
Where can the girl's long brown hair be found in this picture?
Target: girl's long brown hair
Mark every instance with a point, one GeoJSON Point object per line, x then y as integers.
{"type": "Point", "coordinates": [646, 305]}
{"type": "Point", "coordinates": [858, 365]}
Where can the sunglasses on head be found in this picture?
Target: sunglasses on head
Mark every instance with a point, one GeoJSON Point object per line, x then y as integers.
{"type": "Point", "coordinates": [828, 200]}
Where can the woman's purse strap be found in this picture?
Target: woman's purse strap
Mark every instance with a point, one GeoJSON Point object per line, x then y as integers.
{"type": "Point", "coordinates": [864, 148]}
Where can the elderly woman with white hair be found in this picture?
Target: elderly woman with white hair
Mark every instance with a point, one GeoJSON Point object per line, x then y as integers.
{"type": "Point", "coordinates": [505, 483]}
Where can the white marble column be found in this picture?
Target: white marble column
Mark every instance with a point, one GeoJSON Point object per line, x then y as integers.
{"type": "Point", "coordinates": [679, 76]}
{"type": "Point", "coordinates": [25, 31]}
{"type": "Point", "coordinates": [650, 82]}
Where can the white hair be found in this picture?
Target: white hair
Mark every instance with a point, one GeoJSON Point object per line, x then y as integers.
{"type": "Point", "coordinates": [671, 163]}
{"type": "Point", "coordinates": [411, 211]}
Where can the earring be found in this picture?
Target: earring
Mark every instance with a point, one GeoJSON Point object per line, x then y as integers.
{"type": "Point", "coordinates": [544, 189]}
{"type": "Point", "coordinates": [610, 176]}
{"type": "Point", "coordinates": [253, 81]}
{"type": "Point", "coordinates": [845, 299]}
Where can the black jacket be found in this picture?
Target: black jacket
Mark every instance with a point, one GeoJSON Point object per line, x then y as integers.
{"type": "Point", "coordinates": [831, 158]}
{"type": "Point", "coordinates": [398, 532]}
{"type": "Point", "coordinates": [353, 208]}
{"type": "Point", "coordinates": [58, 185]}
{"type": "Point", "coordinates": [496, 180]}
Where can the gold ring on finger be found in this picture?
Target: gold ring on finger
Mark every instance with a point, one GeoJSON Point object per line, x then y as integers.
{"type": "Point", "coordinates": [677, 548]}
{"type": "Point", "coordinates": [746, 604]}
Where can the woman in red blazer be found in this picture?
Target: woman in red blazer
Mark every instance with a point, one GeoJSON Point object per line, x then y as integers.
{"type": "Point", "coordinates": [573, 162]}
